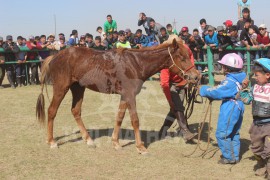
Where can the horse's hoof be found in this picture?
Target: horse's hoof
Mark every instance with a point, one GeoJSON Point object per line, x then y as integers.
{"type": "Point", "coordinates": [145, 153]}
{"type": "Point", "coordinates": [91, 144]}
{"type": "Point", "coordinates": [142, 151]}
{"type": "Point", "coordinates": [54, 146]}
{"type": "Point", "coordinates": [117, 146]}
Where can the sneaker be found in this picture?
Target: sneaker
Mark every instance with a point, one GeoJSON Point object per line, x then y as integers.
{"type": "Point", "coordinates": [227, 161]}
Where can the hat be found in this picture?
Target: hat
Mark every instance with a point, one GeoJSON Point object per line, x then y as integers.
{"type": "Point", "coordinates": [127, 30]}
{"type": "Point", "coordinates": [31, 37]}
{"type": "Point", "coordinates": [82, 37]}
{"type": "Point", "coordinates": [228, 23]}
{"type": "Point", "coordinates": [210, 28]}
{"type": "Point", "coordinates": [121, 32]}
{"type": "Point", "coordinates": [262, 26]}
{"type": "Point", "coordinates": [184, 28]}
{"type": "Point", "coordinates": [51, 35]}
{"type": "Point", "coordinates": [220, 28]}
{"type": "Point", "coordinates": [1, 38]}
{"type": "Point", "coordinates": [9, 37]}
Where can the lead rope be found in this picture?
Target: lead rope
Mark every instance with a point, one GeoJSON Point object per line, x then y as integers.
{"type": "Point", "coordinates": [200, 128]}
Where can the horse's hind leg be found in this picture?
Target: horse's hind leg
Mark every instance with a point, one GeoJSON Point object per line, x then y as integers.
{"type": "Point", "coordinates": [77, 94]}
{"type": "Point", "coordinates": [58, 96]}
{"type": "Point", "coordinates": [119, 118]}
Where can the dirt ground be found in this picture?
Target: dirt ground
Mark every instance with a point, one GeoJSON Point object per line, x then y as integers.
{"type": "Point", "coordinates": [24, 153]}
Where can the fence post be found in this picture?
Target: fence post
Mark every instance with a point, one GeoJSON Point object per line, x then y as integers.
{"type": "Point", "coordinates": [248, 63]}
{"type": "Point", "coordinates": [210, 66]}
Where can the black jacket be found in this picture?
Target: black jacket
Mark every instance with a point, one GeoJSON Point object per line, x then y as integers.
{"type": "Point", "coordinates": [10, 50]}
{"type": "Point", "coordinates": [224, 41]}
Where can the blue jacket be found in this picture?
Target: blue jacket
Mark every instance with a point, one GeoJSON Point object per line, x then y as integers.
{"type": "Point", "coordinates": [227, 89]}
{"type": "Point", "coordinates": [211, 40]}
{"type": "Point", "coordinates": [143, 40]}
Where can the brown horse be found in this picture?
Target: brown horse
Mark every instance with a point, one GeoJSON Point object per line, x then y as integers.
{"type": "Point", "coordinates": [121, 71]}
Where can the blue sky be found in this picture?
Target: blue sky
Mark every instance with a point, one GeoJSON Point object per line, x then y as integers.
{"type": "Point", "coordinates": [35, 17]}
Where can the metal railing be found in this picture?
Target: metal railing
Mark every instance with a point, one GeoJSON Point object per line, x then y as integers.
{"type": "Point", "coordinates": [209, 61]}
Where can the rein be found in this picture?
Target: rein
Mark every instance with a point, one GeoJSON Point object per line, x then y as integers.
{"type": "Point", "coordinates": [180, 70]}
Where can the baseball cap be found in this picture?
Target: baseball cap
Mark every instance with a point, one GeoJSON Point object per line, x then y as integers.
{"type": "Point", "coordinates": [127, 30]}
{"type": "Point", "coordinates": [220, 28]}
{"type": "Point", "coordinates": [82, 37]}
{"type": "Point", "coordinates": [9, 37]}
{"type": "Point", "coordinates": [262, 26]}
{"type": "Point", "coordinates": [228, 23]}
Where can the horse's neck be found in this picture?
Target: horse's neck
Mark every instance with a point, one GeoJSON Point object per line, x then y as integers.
{"type": "Point", "coordinates": [154, 62]}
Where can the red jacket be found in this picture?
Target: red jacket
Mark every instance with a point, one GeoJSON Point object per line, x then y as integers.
{"type": "Point", "coordinates": [263, 39]}
{"type": "Point", "coordinates": [32, 55]}
{"type": "Point", "coordinates": [166, 77]}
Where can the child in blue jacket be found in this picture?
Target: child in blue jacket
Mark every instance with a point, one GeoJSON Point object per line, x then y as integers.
{"type": "Point", "coordinates": [231, 110]}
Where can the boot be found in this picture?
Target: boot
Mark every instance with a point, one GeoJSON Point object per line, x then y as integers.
{"type": "Point", "coordinates": [187, 135]}
{"type": "Point", "coordinates": [260, 167]}
{"type": "Point", "coordinates": [164, 128]}
{"type": "Point", "coordinates": [10, 80]}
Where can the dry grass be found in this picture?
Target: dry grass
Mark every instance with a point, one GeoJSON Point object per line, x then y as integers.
{"type": "Point", "coordinates": [25, 155]}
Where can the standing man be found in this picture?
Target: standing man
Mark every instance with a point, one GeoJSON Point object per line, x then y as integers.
{"type": "Point", "coordinates": [145, 21]}
{"type": "Point", "coordinates": [246, 16]}
{"type": "Point", "coordinates": [155, 30]}
{"type": "Point", "coordinates": [21, 59]}
{"type": "Point", "coordinates": [2, 61]}
{"type": "Point", "coordinates": [175, 95]}
{"type": "Point", "coordinates": [10, 49]}
{"type": "Point", "coordinates": [110, 25]}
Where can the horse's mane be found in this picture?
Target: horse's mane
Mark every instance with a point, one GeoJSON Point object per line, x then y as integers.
{"type": "Point", "coordinates": [164, 45]}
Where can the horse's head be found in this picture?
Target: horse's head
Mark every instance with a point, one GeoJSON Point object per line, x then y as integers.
{"type": "Point", "coordinates": [180, 62]}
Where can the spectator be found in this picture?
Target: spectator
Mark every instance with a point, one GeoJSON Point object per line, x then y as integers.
{"type": "Point", "coordinates": [10, 48]}
{"type": "Point", "coordinates": [198, 53]}
{"type": "Point", "coordinates": [32, 55]}
{"type": "Point", "coordinates": [122, 42]}
{"type": "Point", "coordinates": [37, 38]}
{"type": "Point", "coordinates": [253, 36]}
{"type": "Point", "coordinates": [73, 40]}
{"type": "Point", "coordinates": [114, 37]}
{"type": "Point", "coordinates": [2, 61]}
{"type": "Point", "coordinates": [145, 21]}
{"type": "Point", "coordinates": [44, 44]}
{"type": "Point", "coordinates": [53, 45]}
{"type": "Point", "coordinates": [24, 40]}
{"type": "Point", "coordinates": [98, 45]}
{"type": "Point", "coordinates": [234, 36]}
{"type": "Point", "coordinates": [142, 40]}
{"type": "Point", "coordinates": [241, 5]}
{"type": "Point", "coordinates": [60, 35]}
{"type": "Point", "coordinates": [203, 28]}
{"type": "Point", "coordinates": [164, 36]}
{"type": "Point", "coordinates": [21, 59]}
{"type": "Point", "coordinates": [223, 41]}
{"type": "Point", "coordinates": [184, 35]}
{"type": "Point", "coordinates": [62, 42]}
{"type": "Point", "coordinates": [108, 41]}
{"type": "Point", "coordinates": [89, 40]}
{"type": "Point", "coordinates": [110, 25]}
{"type": "Point", "coordinates": [195, 44]}
{"type": "Point", "coordinates": [82, 42]}
{"type": "Point", "coordinates": [130, 37]}
{"type": "Point", "coordinates": [263, 39]}
{"type": "Point", "coordinates": [212, 42]}
{"type": "Point", "coordinates": [246, 16]}
{"type": "Point", "coordinates": [155, 30]}
{"type": "Point", "coordinates": [228, 24]}
{"type": "Point", "coordinates": [101, 32]}
{"type": "Point", "coordinates": [170, 30]}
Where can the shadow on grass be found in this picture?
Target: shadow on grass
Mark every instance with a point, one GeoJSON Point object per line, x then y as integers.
{"type": "Point", "coordinates": [148, 136]}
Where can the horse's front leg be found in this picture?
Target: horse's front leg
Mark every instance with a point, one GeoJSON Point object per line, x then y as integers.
{"type": "Point", "coordinates": [119, 118]}
{"type": "Point", "coordinates": [135, 123]}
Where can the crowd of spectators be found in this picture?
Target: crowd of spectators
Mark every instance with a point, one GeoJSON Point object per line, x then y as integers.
{"type": "Point", "coordinates": [244, 33]}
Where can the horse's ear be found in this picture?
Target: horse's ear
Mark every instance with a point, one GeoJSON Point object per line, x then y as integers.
{"type": "Point", "coordinates": [174, 44]}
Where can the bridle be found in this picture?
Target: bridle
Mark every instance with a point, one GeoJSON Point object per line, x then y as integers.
{"type": "Point", "coordinates": [184, 75]}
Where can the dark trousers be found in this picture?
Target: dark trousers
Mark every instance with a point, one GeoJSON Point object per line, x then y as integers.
{"type": "Point", "coordinates": [34, 76]}
{"type": "Point", "coordinates": [10, 74]}
{"type": "Point", "coordinates": [2, 74]}
{"type": "Point", "coordinates": [20, 70]}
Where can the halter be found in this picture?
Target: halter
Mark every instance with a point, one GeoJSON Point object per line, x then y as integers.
{"type": "Point", "coordinates": [174, 64]}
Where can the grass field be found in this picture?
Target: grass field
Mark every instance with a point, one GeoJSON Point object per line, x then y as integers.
{"type": "Point", "coordinates": [24, 153]}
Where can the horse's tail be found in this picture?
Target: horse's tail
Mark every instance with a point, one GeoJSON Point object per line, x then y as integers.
{"type": "Point", "coordinates": [45, 77]}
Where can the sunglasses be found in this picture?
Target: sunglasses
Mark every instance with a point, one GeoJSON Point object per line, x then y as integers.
{"type": "Point", "coordinates": [261, 29]}
{"type": "Point", "coordinates": [121, 35]}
